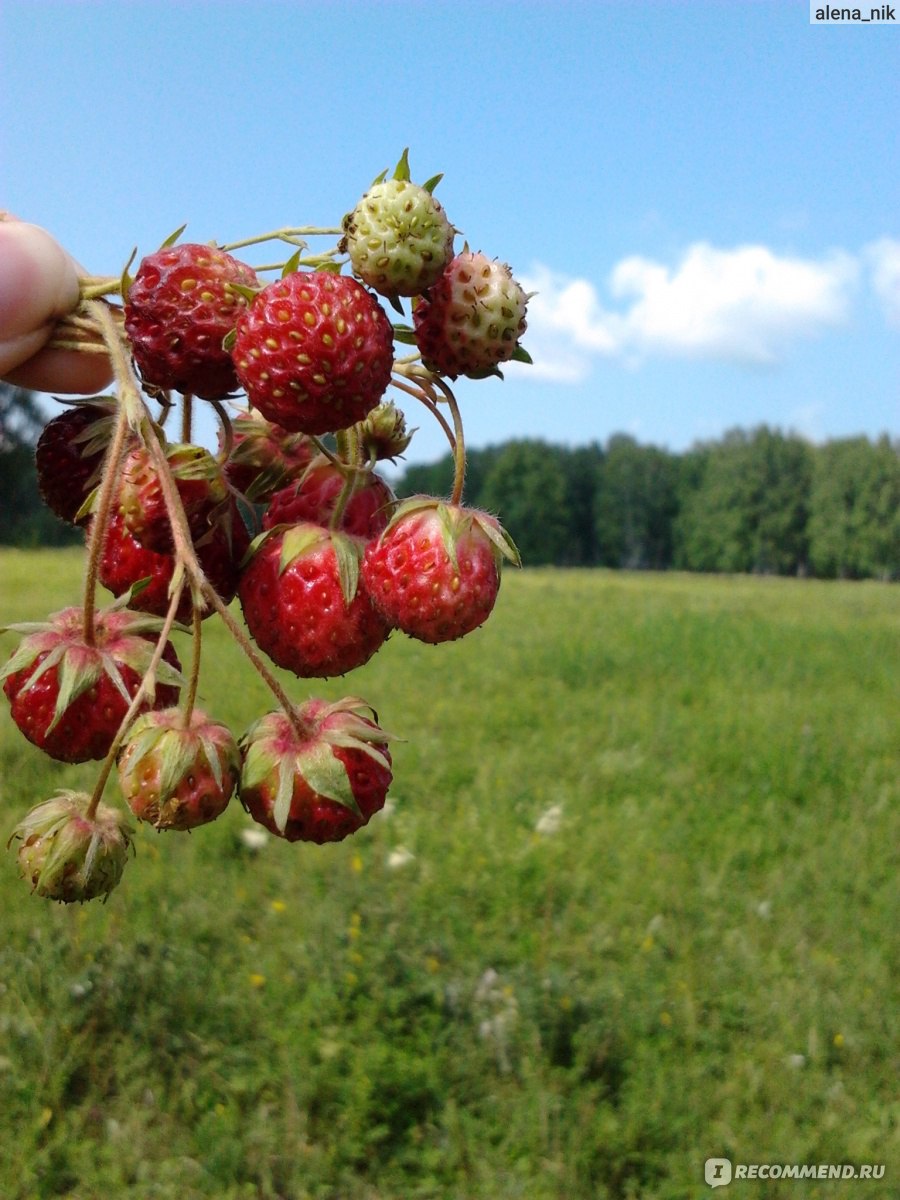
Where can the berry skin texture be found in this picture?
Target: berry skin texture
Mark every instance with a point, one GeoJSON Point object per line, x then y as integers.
{"type": "Point", "coordinates": [314, 351]}
{"type": "Point", "coordinates": [69, 455]}
{"type": "Point", "coordinates": [199, 481]}
{"type": "Point", "coordinates": [305, 605]}
{"type": "Point", "coordinates": [314, 497]}
{"type": "Point", "coordinates": [179, 309]}
{"type": "Point", "coordinates": [398, 238]}
{"type": "Point", "coordinates": [319, 784]}
{"type": "Point", "coordinates": [435, 571]}
{"type": "Point", "coordinates": [69, 698]}
{"type": "Point", "coordinates": [175, 776]}
{"type": "Point", "coordinates": [472, 319]}
{"type": "Point", "coordinates": [124, 562]}
{"type": "Point", "coordinates": [67, 855]}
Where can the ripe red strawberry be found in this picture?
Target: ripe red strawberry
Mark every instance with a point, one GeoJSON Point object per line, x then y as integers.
{"type": "Point", "coordinates": [435, 571]}
{"type": "Point", "coordinates": [319, 784]}
{"type": "Point", "coordinates": [304, 604]}
{"type": "Point", "coordinates": [176, 775]}
{"type": "Point", "coordinates": [314, 497]}
{"type": "Point", "coordinates": [314, 351]}
{"type": "Point", "coordinates": [69, 697]}
{"type": "Point", "coordinates": [264, 457]}
{"type": "Point", "coordinates": [471, 319]}
{"type": "Point", "coordinates": [179, 309]}
{"type": "Point", "coordinates": [67, 855]}
{"type": "Point", "coordinates": [125, 562]}
{"type": "Point", "coordinates": [200, 483]}
{"type": "Point", "coordinates": [69, 455]}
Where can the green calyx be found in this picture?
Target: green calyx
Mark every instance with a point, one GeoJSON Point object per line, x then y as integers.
{"type": "Point", "coordinates": [69, 856]}
{"type": "Point", "coordinates": [160, 740]}
{"type": "Point", "coordinates": [455, 521]}
{"type": "Point", "coordinates": [122, 640]}
{"type": "Point", "coordinates": [275, 755]}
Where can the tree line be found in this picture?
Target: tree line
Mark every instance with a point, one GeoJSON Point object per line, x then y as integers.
{"type": "Point", "coordinates": [753, 501]}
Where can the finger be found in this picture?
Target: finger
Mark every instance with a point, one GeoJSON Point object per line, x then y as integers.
{"type": "Point", "coordinates": [38, 285]}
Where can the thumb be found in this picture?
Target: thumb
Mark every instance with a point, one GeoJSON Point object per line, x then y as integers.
{"type": "Point", "coordinates": [38, 285]}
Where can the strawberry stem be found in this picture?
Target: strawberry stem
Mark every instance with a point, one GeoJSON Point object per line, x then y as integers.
{"type": "Point", "coordinates": [227, 432]}
{"type": "Point", "coordinates": [459, 453]}
{"type": "Point", "coordinates": [429, 403]}
{"type": "Point", "coordinates": [106, 494]}
{"type": "Point", "coordinates": [263, 671]}
{"type": "Point", "coordinates": [147, 684]}
{"type": "Point", "coordinates": [289, 234]}
{"type": "Point", "coordinates": [190, 696]}
{"type": "Point", "coordinates": [92, 287]}
{"type": "Point", "coordinates": [187, 412]}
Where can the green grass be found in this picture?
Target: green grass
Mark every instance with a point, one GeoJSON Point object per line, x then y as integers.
{"type": "Point", "coordinates": [700, 961]}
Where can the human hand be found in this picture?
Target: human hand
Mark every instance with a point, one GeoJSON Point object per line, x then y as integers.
{"type": "Point", "coordinates": [38, 285]}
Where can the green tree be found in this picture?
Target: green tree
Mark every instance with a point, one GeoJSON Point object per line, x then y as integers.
{"type": "Point", "coordinates": [525, 488]}
{"type": "Point", "coordinates": [635, 505]}
{"type": "Point", "coordinates": [854, 523]}
{"type": "Point", "coordinates": [24, 518]}
{"type": "Point", "coordinates": [748, 510]}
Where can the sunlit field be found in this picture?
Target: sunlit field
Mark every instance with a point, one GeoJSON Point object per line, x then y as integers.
{"type": "Point", "coordinates": [633, 904]}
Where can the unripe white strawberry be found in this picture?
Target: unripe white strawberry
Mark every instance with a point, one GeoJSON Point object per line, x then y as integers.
{"type": "Point", "coordinates": [398, 237]}
{"type": "Point", "coordinates": [472, 318]}
{"type": "Point", "coordinates": [67, 855]}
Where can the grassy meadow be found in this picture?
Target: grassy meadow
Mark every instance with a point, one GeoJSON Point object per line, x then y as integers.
{"type": "Point", "coordinates": [633, 904]}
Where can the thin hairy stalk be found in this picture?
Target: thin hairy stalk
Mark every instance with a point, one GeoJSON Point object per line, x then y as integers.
{"type": "Point", "coordinates": [459, 457]}
{"type": "Point", "coordinates": [190, 696]}
{"type": "Point", "coordinates": [147, 685]}
{"type": "Point", "coordinates": [262, 670]}
{"type": "Point", "coordinates": [92, 287]}
{"type": "Point", "coordinates": [423, 397]}
{"type": "Point", "coordinates": [289, 234]}
{"type": "Point", "coordinates": [227, 432]}
{"type": "Point", "coordinates": [333, 458]}
{"type": "Point", "coordinates": [76, 344]}
{"type": "Point", "coordinates": [106, 493]}
{"type": "Point", "coordinates": [187, 415]}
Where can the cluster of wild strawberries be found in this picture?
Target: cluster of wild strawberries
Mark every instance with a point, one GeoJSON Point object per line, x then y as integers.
{"type": "Point", "coordinates": [291, 516]}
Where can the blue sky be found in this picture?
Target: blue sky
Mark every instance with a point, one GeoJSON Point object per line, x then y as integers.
{"type": "Point", "coordinates": [705, 196]}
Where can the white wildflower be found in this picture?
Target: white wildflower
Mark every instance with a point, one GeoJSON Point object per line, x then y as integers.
{"type": "Point", "coordinates": [400, 857]}
{"type": "Point", "coordinates": [254, 839]}
{"type": "Point", "coordinates": [549, 822]}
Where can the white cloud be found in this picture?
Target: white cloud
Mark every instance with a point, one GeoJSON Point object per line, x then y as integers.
{"type": "Point", "coordinates": [883, 258]}
{"type": "Point", "coordinates": [742, 305]}
{"type": "Point", "coordinates": [745, 305]}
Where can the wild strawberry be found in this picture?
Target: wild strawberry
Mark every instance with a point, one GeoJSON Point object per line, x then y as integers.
{"type": "Point", "coordinates": [69, 695]}
{"type": "Point", "coordinates": [125, 562]}
{"type": "Point", "coordinates": [435, 571]}
{"type": "Point", "coordinates": [398, 236]}
{"type": "Point", "coordinates": [304, 604]}
{"type": "Point", "coordinates": [176, 775]}
{"type": "Point", "coordinates": [314, 497]}
{"type": "Point", "coordinates": [179, 308]}
{"type": "Point", "coordinates": [472, 318]}
{"type": "Point", "coordinates": [67, 855]}
{"type": "Point", "coordinates": [199, 481]}
{"type": "Point", "coordinates": [70, 452]}
{"type": "Point", "coordinates": [314, 351]}
{"type": "Point", "coordinates": [321, 781]}
{"type": "Point", "coordinates": [264, 457]}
